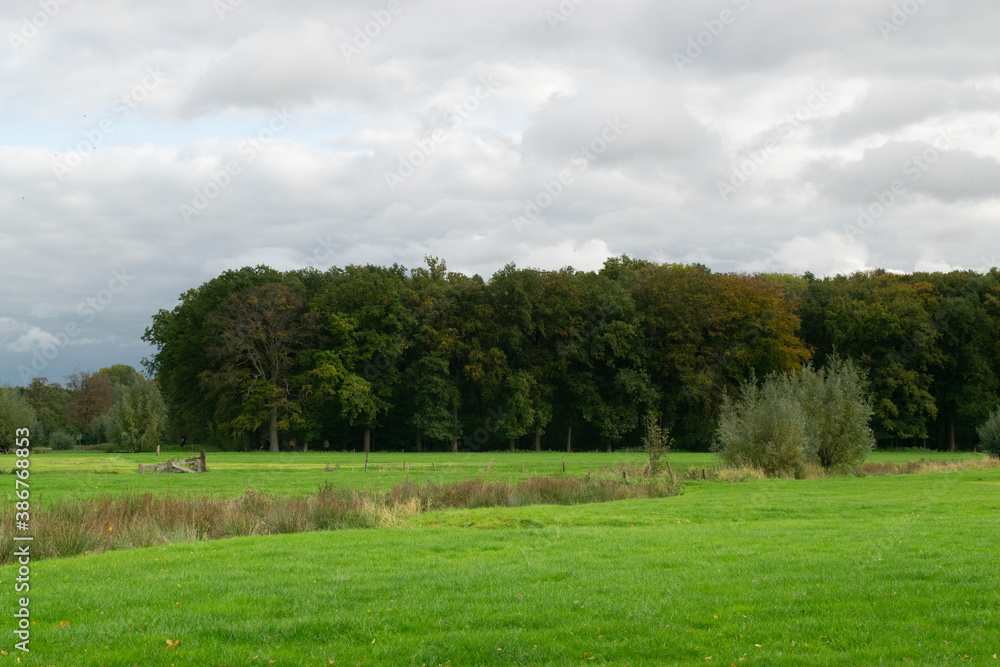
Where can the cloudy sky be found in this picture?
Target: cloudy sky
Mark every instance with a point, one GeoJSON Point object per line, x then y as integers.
{"type": "Point", "coordinates": [145, 147]}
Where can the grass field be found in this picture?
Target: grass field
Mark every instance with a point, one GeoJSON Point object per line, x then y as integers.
{"type": "Point", "coordinates": [68, 475]}
{"type": "Point", "coordinates": [852, 571]}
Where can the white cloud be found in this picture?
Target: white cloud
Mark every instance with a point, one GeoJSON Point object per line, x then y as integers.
{"type": "Point", "coordinates": [34, 339]}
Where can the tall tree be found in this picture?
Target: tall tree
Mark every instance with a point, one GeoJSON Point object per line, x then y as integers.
{"type": "Point", "coordinates": [183, 338]}
{"type": "Point", "coordinates": [49, 400]}
{"type": "Point", "coordinates": [90, 396]}
{"type": "Point", "coordinates": [706, 333]}
{"type": "Point", "coordinates": [261, 330]}
{"type": "Point", "coordinates": [882, 321]}
{"type": "Point", "coordinates": [358, 364]}
{"type": "Point", "coordinates": [15, 413]}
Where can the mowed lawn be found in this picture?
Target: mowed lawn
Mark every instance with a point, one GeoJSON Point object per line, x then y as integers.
{"type": "Point", "coordinates": [852, 571]}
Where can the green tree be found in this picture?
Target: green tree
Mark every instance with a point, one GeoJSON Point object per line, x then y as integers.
{"type": "Point", "coordinates": [15, 413]}
{"type": "Point", "coordinates": [138, 416]}
{"type": "Point", "coordinates": [49, 400]}
{"type": "Point", "coordinates": [184, 339]}
{"type": "Point", "coordinates": [261, 330]}
{"type": "Point", "coordinates": [964, 378]}
{"type": "Point", "coordinates": [364, 323]}
{"type": "Point", "coordinates": [989, 434]}
{"type": "Point", "coordinates": [882, 321]}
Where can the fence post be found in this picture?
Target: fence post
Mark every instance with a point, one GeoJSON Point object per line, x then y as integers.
{"type": "Point", "coordinates": [564, 464]}
{"type": "Point", "coordinates": [202, 465]}
{"type": "Point", "coordinates": [157, 451]}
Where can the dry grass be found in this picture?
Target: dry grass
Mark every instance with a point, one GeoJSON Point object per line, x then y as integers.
{"type": "Point", "coordinates": [143, 520]}
{"type": "Point", "coordinates": [889, 468]}
{"type": "Point", "coordinates": [813, 471]}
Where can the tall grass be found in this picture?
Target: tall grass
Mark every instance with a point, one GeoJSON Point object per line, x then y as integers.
{"type": "Point", "coordinates": [815, 471]}
{"type": "Point", "coordinates": [143, 520]}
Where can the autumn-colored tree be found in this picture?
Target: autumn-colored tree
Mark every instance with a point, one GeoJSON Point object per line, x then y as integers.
{"type": "Point", "coordinates": [706, 333]}
{"type": "Point", "coordinates": [90, 396]}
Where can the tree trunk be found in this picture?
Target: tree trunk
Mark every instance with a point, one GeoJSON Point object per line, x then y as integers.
{"type": "Point", "coordinates": [538, 441]}
{"type": "Point", "coordinates": [569, 439]}
{"type": "Point", "coordinates": [246, 441]}
{"type": "Point", "coordinates": [274, 428]}
{"type": "Point", "coordinates": [454, 414]}
{"type": "Point", "coordinates": [420, 444]}
{"type": "Point", "coordinates": [368, 439]}
{"type": "Point", "coordinates": [951, 428]}
{"type": "Point", "coordinates": [512, 444]}
{"type": "Point", "coordinates": [609, 448]}
{"type": "Point", "coordinates": [305, 445]}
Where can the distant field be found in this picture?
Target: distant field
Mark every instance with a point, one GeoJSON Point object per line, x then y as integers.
{"type": "Point", "coordinates": [845, 571]}
{"type": "Point", "coordinates": [68, 475]}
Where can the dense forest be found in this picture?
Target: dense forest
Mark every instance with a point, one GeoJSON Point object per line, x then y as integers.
{"type": "Point", "coordinates": [423, 359]}
{"type": "Point", "coordinates": [429, 359]}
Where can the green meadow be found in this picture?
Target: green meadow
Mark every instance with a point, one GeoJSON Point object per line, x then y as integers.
{"type": "Point", "coordinates": [898, 569]}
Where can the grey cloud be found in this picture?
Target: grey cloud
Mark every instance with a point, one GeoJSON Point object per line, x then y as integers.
{"type": "Point", "coordinates": [918, 168]}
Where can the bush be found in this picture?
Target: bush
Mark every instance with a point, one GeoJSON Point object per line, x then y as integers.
{"type": "Point", "coordinates": [61, 440]}
{"type": "Point", "coordinates": [838, 410]}
{"type": "Point", "coordinates": [989, 434]}
{"type": "Point", "coordinates": [810, 418]}
{"type": "Point", "coordinates": [766, 428]}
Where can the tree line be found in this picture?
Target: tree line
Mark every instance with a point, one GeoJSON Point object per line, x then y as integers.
{"type": "Point", "coordinates": [428, 358]}
{"type": "Point", "coordinates": [116, 405]}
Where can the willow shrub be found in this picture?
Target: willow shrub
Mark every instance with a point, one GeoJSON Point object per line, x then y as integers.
{"type": "Point", "coordinates": [812, 417]}
{"type": "Point", "coordinates": [836, 403]}
{"type": "Point", "coordinates": [765, 428]}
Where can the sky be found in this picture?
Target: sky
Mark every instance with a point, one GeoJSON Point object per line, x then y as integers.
{"type": "Point", "coordinates": [146, 147]}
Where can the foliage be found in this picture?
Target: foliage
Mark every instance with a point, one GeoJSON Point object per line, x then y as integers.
{"type": "Point", "coordinates": [572, 358]}
{"type": "Point", "coordinates": [767, 427]}
{"type": "Point", "coordinates": [139, 416]}
{"type": "Point", "coordinates": [49, 400]}
{"type": "Point", "coordinates": [656, 441]}
{"type": "Point", "coordinates": [61, 440]}
{"type": "Point", "coordinates": [91, 395]}
{"type": "Point", "coordinates": [100, 429]}
{"type": "Point", "coordinates": [810, 417]}
{"type": "Point", "coordinates": [835, 401]}
{"type": "Point", "coordinates": [989, 434]}
{"type": "Point", "coordinates": [16, 413]}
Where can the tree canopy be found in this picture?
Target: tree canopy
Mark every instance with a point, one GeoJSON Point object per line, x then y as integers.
{"type": "Point", "coordinates": [370, 356]}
